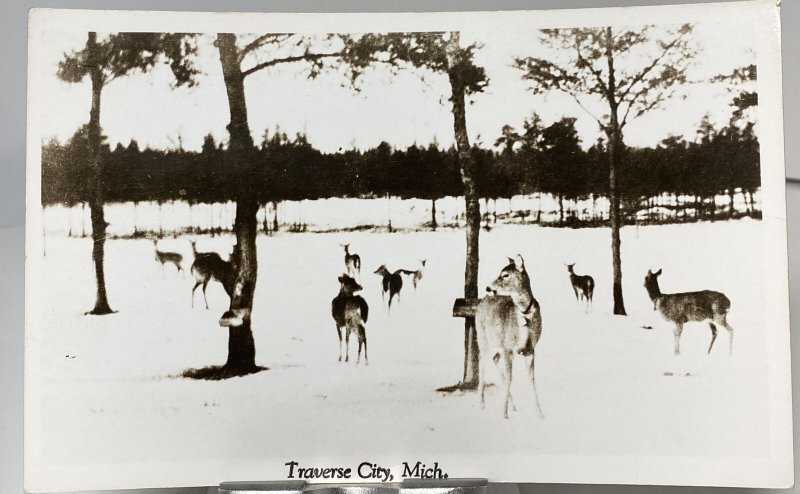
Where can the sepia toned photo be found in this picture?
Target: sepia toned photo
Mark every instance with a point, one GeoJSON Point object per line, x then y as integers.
{"type": "Point", "coordinates": [526, 246]}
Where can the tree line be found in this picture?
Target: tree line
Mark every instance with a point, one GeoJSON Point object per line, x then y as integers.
{"type": "Point", "coordinates": [540, 159]}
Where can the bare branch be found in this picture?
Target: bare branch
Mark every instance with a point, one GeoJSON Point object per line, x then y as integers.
{"type": "Point", "coordinates": [582, 62]}
{"type": "Point", "coordinates": [641, 75]}
{"type": "Point", "coordinates": [261, 41]}
{"type": "Point", "coordinates": [600, 123]}
{"type": "Point", "coordinates": [299, 58]}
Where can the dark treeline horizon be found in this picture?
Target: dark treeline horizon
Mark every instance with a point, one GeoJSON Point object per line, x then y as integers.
{"type": "Point", "coordinates": [542, 159]}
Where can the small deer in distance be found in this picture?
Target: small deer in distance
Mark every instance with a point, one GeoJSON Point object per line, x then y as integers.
{"type": "Point", "coordinates": [416, 276]}
{"type": "Point", "coordinates": [165, 257]}
{"type": "Point", "coordinates": [508, 322]}
{"type": "Point", "coordinates": [208, 266]}
{"type": "Point", "coordinates": [352, 262]}
{"type": "Point", "coordinates": [350, 312]}
{"type": "Point", "coordinates": [391, 283]}
{"type": "Point", "coordinates": [583, 286]}
{"type": "Point", "coordinates": [681, 308]}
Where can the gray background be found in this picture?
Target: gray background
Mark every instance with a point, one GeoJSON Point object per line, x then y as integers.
{"type": "Point", "coordinates": [13, 51]}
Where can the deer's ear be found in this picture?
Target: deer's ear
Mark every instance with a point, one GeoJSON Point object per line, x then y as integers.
{"type": "Point", "coordinates": [657, 273]}
{"type": "Point", "coordinates": [510, 260]}
{"type": "Point", "coordinates": [649, 271]}
{"type": "Point", "coordinates": [519, 263]}
{"type": "Point", "coordinates": [341, 279]}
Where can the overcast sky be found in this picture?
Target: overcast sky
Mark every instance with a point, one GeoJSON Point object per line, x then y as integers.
{"type": "Point", "coordinates": [399, 109]}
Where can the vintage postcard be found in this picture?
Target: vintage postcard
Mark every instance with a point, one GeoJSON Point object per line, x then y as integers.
{"type": "Point", "coordinates": [532, 246]}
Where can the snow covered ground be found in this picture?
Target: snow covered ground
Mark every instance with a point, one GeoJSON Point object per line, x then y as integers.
{"type": "Point", "coordinates": [342, 213]}
{"type": "Point", "coordinates": [609, 388]}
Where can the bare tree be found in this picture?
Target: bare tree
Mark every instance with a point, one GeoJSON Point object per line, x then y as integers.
{"type": "Point", "coordinates": [116, 56]}
{"type": "Point", "coordinates": [633, 71]}
{"type": "Point", "coordinates": [441, 53]}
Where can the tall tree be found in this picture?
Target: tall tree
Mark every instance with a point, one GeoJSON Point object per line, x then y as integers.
{"type": "Point", "coordinates": [633, 71]}
{"type": "Point", "coordinates": [442, 53]}
{"type": "Point", "coordinates": [241, 57]}
{"type": "Point", "coordinates": [102, 61]}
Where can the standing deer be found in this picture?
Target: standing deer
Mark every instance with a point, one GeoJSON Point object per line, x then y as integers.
{"type": "Point", "coordinates": [209, 266]}
{"type": "Point", "coordinates": [416, 276]}
{"type": "Point", "coordinates": [583, 286]}
{"type": "Point", "coordinates": [508, 322]}
{"type": "Point", "coordinates": [681, 308]}
{"type": "Point", "coordinates": [392, 283]}
{"type": "Point", "coordinates": [350, 312]}
{"type": "Point", "coordinates": [352, 262]}
{"type": "Point", "coordinates": [165, 257]}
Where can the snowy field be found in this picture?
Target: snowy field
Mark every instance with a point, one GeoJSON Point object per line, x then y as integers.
{"type": "Point", "coordinates": [608, 386]}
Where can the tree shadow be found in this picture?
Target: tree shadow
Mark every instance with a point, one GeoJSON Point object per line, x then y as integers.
{"type": "Point", "coordinates": [220, 372]}
{"type": "Point", "coordinates": [461, 387]}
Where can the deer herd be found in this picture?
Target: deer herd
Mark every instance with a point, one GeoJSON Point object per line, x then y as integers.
{"type": "Point", "coordinates": [508, 319]}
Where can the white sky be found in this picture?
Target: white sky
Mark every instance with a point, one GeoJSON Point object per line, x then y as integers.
{"type": "Point", "coordinates": [399, 109]}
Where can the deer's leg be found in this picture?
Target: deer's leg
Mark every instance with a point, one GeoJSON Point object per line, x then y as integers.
{"type": "Point", "coordinates": [347, 344]}
{"type": "Point", "coordinates": [724, 322]}
{"type": "Point", "coordinates": [575, 289]}
{"type": "Point", "coordinates": [677, 331]}
{"type": "Point", "coordinates": [713, 335]}
{"type": "Point", "coordinates": [205, 285]}
{"type": "Point", "coordinates": [362, 333]}
{"type": "Point", "coordinates": [482, 376]}
{"type": "Point", "coordinates": [507, 369]}
{"type": "Point", "coordinates": [533, 382]}
{"type": "Point", "coordinates": [193, 289]}
{"type": "Point", "coordinates": [360, 344]}
{"type": "Point", "coordinates": [339, 331]}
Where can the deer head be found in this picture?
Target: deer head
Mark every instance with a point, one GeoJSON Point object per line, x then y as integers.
{"type": "Point", "coordinates": [348, 284]}
{"type": "Point", "coordinates": [651, 285]}
{"type": "Point", "coordinates": [513, 279]}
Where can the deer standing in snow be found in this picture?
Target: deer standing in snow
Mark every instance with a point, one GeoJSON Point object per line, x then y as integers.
{"type": "Point", "coordinates": [208, 266]}
{"type": "Point", "coordinates": [165, 257]}
{"type": "Point", "coordinates": [350, 312]}
{"type": "Point", "coordinates": [352, 262]}
{"type": "Point", "coordinates": [583, 286]}
{"type": "Point", "coordinates": [680, 308]}
{"type": "Point", "coordinates": [508, 322]}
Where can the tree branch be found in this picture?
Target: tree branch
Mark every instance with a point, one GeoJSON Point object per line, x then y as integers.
{"type": "Point", "coordinates": [599, 122]}
{"type": "Point", "coordinates": [298, 58]}
{"type": "Point", "coordinates": [260, 41]}
{"type": "Point", "coordinates": [641, 75]}
{"type": "Point", "coordinates": [597, 73]}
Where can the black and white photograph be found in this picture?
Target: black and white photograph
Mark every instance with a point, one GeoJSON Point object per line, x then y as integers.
{"type": "Point", "coordinates": [532, 246]}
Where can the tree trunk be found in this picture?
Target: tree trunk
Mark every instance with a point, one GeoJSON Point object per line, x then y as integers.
{"type": "Point", "coordinates": [473, 210]}
{"type": "Point", "coordinates": [614, 153]}
{"type": "Point", "coordinates": [94, 137]}
{"type": "Point", "coordinates": [241, 346]}
{"type": "Point", "coordinates": [561, 209]}
{"type": "Point", "coordinates": [433, 214]}
{"type": "Point", "coordinates": [731, 193]}
{"type": "Point", "coordinates": [616, 257]}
